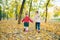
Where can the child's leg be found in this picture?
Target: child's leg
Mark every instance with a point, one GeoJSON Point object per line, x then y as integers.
{"type": "Point", "coordinates": [36, 25]}
{"type": "Point", "coordinates": [26, 26]}
{"type": "Point", "coordinates": [26, 29]}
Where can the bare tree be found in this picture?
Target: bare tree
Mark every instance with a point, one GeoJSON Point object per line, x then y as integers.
{"type": "Point", "coordinates": [0, 14]}
{"type": "Point", "coordinates": [16, 9]}
{"type": "Point", "coordinates": [46, 10]}
{"type": "Point", "coordinates": [21, 10]}
{"type": "Point", "coordinates": [3, 13]}
{"type": "Point", "coordinates": [30, 7]}
{"type": "Point", "coordinates": [0, 10]}
{"type": "Point", "coordinates": [7, 8]}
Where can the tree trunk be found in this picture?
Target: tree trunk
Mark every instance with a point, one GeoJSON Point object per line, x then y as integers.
{"type": "Point", "coordinates": [16, 10]}
{"type": "Point", "coordinates": [46, 15]}
{"type": "Point", "coordinates": [21, 10]}
{"type": "Point", "coordinates": [7, 9]}
{"type": "Point", "coordinates": [4, 14]}
{"type": "Point", "coordinates": [0, 14]}
{"type": "Point", "coordinates": [30, 7]}
{"type": "Point", "coordinates": [46, 10]}
{"type": "Point", "coordinates": [0, 10]}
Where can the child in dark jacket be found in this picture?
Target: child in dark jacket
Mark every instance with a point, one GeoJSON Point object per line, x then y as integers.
{"type": "Point", "coordinates": [26, 21]}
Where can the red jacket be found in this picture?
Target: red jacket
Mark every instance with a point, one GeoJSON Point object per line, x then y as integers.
{"type": "Point", "coordinates": [27, 19]}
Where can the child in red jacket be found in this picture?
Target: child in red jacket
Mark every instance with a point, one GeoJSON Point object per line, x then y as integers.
{"type": "Point", "coordinates": [26, 21]}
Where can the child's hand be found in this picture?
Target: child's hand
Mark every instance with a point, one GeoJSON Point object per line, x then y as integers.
{"type": "Point", "coordinates": [32, 21]}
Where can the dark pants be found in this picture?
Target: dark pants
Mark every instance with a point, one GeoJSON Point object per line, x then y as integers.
{"type": "Point", "coordinates": [37, 25]}
{"type": "Point", "coordinates": [26, 24]}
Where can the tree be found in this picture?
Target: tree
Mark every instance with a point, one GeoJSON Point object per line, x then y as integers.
{"type": "Point", "coordinates": [4, 15]}
{"type": "Point", "coordinates": [0, 14]}
{"type": "Point", "coordinates": [47, 10]}
{"type": "Point", "coordinates": [7, 9]}
{"type": "Point", "coordinates": [30, 7]}
{"type": "Point", "coordinates": [16, 10]}
{"type": "Point", "coordinates": [21, 10]}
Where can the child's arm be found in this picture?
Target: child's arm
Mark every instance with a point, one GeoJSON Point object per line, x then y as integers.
{"type": "Point", "coordinates": [30, 20]}
{"type": "Point", "coordinates": [23, 19]}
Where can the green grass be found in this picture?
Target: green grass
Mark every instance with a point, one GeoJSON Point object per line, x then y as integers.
{"type": "Point", "coordinates": [57, 19]}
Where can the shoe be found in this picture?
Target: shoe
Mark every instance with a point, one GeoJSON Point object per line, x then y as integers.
{"type": "Point", "coordinates": [38, 31]}
{"type": "Point", "coordinates": [24, 29]}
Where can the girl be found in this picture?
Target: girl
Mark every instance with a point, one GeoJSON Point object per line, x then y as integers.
{"type": "Point", "coordinates": [26, 21]}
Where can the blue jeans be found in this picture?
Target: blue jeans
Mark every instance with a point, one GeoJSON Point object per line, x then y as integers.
{"type": "Point", "coordinates": [37, 25]}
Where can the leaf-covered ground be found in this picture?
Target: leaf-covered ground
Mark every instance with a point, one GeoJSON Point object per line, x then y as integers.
{"type": "Point", "coordinates": [11, 30]}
